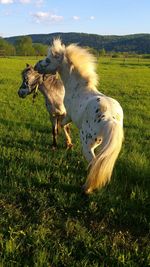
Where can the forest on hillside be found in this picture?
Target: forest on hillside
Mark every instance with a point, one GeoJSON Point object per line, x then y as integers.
{"type": "Point", "coordinates": [36, 44]}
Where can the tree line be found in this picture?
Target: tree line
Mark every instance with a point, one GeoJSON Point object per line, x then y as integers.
{"type": "Point", "coordinates": [33, 46]}
{"type": "Point", "coordinates": [23, 46]}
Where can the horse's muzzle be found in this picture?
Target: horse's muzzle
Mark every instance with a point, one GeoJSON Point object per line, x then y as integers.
{"type": "Point", "coordinates": [43, 69]}
{"type": "Point", "coordinates": [21, 93]}
{"type": "Point", "coordinates": [38, 67]}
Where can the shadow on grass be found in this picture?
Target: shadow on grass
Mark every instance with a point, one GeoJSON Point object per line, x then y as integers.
{"type": "Point", "coordinates": [34, 127]}
{"type": "Point", "coordinates": [121, 205]}
{"type": "Point", "coordinates": [118, 210]}
{"type": "Point", "coordinates": [134, 65]}
{"type": "Point", "coordinates": [39, 143]}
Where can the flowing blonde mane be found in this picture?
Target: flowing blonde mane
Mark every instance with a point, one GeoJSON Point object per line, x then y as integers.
{"type": "Point", "coordinates": [81, 60]}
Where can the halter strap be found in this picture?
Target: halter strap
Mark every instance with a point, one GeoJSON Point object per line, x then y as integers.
{"type": "Point", "coordinates": [35, 93]}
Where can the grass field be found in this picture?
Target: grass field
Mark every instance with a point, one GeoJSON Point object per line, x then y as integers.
{"type": "Point", "coordinates": [44, 218]}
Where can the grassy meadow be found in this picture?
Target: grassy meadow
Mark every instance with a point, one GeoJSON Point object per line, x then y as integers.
{"type": "Point", "coordinates": [45, 220]}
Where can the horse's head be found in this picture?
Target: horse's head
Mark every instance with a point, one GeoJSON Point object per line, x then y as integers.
{"type": "Point", "coordinates": [53, 61]}
{"type": "Point", "coordinates": [30, 80]}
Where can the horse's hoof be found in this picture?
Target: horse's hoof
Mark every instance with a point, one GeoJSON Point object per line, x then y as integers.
{"type": "Point", "coordinates": [69, 146]}
{"type": "Point", "coordinates": [54, 148]}
{"type": "Point", "coordinates": [86, 190]}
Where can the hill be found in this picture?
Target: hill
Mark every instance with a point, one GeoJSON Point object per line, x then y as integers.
{"type": "Point", "coordinates": [138, 43]}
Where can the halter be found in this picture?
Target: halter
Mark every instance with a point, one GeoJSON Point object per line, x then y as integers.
{"type": "Point", "coordinates": [35, 91]}
{"type": "Point", "coordinates": [33, 88]}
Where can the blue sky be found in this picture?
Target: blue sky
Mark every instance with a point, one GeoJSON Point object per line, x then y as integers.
{"type": "Point", "coordinates": [119, 17]}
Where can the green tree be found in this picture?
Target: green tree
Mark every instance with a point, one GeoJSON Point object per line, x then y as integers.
{"type": "Point", "coordinates": [102, 52]}
{"type": "Point", "coordinates": [6, 49]}
{"type": "Point", "coordinates": [40, 49]}
{"type": "Point", "coordinates": [24, 46]}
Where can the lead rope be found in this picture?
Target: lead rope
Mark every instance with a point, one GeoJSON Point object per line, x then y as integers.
{"type": "Point", "coordinates": [57, 75]}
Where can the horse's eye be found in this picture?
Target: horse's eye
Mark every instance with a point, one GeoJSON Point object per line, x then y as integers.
{"type": "Point", "coordinates": [25, 80]}
{"type": "Point", "coordinates": [47, 60]}
{"type": "Point", "coordinates": [56, 55]}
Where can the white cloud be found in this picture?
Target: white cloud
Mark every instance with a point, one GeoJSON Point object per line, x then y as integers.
{"type": "Point", "coordinates": [6, 1]}
{"type": "Point", "coordinates": [76, 17]}
{"type": "Point", "coordinates": [39, 3]}
{"type": "Point", "coordinates": [25, 1]}
{"type": "Point", "coordinates": [92, 17]}
{"type": "Point", "coordinates": [7, 13]}
{"type": "Point", "coordinates": [20, 1]}
{"type": "Point", "coordinates": [41, 15]}
{"type": "Point", "coordinates": [46, 17]}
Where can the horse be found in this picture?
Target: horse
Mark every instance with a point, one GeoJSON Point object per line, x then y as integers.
{"type": "Point", "coordinates": [98, 117]}
{"type": "Point", "coordinates": [53, 91]}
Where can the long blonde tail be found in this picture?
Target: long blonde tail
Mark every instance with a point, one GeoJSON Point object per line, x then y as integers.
{"type": "Point", "coordinates": [102, 165]}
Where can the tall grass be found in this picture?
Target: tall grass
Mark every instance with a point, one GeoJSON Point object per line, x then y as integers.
{"type": "Point", "coordinates": [45, 220]}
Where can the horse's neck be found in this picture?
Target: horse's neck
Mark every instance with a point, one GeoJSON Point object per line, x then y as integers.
{"type": "Point", "coordinates": [71, 79]}
{"type": "Point", "coordinates": [64, 73]}
{"type": "Point", "coordinates": [49, 89]}
{"type": "Point", "coordinates": [38, 79]}
{"type": "Point", "coordinates": [43, 89]}
{"type": "Point", "coordinates": [76, 87]}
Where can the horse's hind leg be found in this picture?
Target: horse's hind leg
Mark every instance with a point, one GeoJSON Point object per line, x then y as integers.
{"type": "Point", "coordinates": [89, 155]}
{"type": "Point", "coordinates": [67, 134]}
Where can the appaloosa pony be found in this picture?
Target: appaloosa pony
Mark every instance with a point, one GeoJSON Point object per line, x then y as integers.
{"type": "Point", "coordinates": [98, 117]}
{"type": "Point", "coordinates": [53, 90]}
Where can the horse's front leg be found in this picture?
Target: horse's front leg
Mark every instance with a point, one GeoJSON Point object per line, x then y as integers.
{"type": "Point", "coordinates": [54, 132]}
{"type": "Point", "coordinates": [67, 134]}
{"type": "Point", "coordinates": [65, 120]}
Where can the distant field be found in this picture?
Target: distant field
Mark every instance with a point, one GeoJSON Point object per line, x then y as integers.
{"type": "Point", "coordinates": [44, 218]}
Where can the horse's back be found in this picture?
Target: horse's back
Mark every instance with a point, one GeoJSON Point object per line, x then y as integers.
{"type": "Point", "coordinates": [112, 107]}
{"type": "Point", "coordinates": [53, 83]}
{"type": "Point", "coordinates": [103, 108]}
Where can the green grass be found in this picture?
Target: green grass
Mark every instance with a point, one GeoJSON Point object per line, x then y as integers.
{"type": "Point", "coordinates": [45, 220]}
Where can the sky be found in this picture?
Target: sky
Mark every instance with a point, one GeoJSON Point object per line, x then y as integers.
{"type": "Point", "coordinates": [104, 17]}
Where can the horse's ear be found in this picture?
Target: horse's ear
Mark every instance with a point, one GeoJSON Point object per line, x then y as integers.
{"type": "Point", "coordinates": [35, 67]}
{"type": "Point", "coordinates": [27, 65]}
